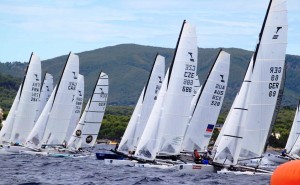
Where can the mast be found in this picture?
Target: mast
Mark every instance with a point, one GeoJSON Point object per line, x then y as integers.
{"type": "Point", "coordinates": [172, 64]}
{"type": "Point", "coordinates": [60, 80]}
{"type": "Point", "coordinates": [261, 34]}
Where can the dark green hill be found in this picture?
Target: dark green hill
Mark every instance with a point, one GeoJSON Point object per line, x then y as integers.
{"type": "Point", "coordinates": [128, 67]}
{"type": "Point", "coordinates": [8, 89]}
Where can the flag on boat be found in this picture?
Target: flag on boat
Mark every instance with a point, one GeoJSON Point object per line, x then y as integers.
{"type": "Point", "coordinates": [210, 128]}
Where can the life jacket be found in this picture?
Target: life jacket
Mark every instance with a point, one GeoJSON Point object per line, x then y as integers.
{"type": "Point", "coordinates": [196, 154]}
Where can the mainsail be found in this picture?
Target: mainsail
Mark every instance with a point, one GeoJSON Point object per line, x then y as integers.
{"type": "Point", "coordinates": [249, 123]}
{"type": "Point", "coordinates": [144, 106]}
{"type": "Point", "coordinates": [86, 131]}
{"type": "Point", "coordinates": [51, 127]}
{"type": "Point", "coordinates": [29, 95]}
{"type": "Point", "coordinates": [208, 106]}
{"type": "Point", "coordinates": [170, 114]}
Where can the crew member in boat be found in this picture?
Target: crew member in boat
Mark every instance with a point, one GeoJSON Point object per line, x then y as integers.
{"type": "Point", "coordinates": [117, 146]}
{"type": "Point", "coordinates": [196, 156]}
{"type": "Point", "coordinates": [283, 153]}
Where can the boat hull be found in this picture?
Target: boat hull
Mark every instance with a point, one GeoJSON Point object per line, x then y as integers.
{"type": "Point", "coordinates": [278, 158]}
{"type": "Point", "coordinates": [102, 156]}
{"type": "Point", "coordinates": [195, 168]}
{"type": "Point", "coordinates": [119, 162]}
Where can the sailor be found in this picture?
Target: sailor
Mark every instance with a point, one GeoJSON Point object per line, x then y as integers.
{"type": "Point", "coordinates": [196, 156]}
{"type": "Point", "coordinates": [283, 153]}
{"type": "Point", "coordinates": [117, 146]}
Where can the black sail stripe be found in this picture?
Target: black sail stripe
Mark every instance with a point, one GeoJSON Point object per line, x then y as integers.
{"type": "Point", "coordinates": [233, 136]}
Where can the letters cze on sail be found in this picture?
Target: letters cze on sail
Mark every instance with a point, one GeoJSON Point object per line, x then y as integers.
{"type": "Point", "coordinates": [165, 134]}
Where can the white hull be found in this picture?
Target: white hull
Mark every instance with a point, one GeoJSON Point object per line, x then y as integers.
{"type": "Point", "coordinates": [277, 158]}
{"type": "Point", "coordinates": [225, 171]}
{"type": "Point", "coordinates": [195, 168]}
{"type": "Point", "coordinates": [182, 168]}
{"type": "Point", "coordinates": [33, 153]}
{"type": "Point", "coordinates": [14, 149]}
{"type": "Point", "coordinates": [119, 162]}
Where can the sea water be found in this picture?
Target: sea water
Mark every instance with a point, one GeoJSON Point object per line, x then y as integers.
{"type": "Point", "coordinates": [28, 169]}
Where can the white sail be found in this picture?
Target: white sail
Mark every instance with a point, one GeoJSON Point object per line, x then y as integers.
{"type": "Point", "coordinates": [30, 92]}
{"type": "Point", "coordinates": [269, 62]}
{"type": "Point", "coordinates": [86, 131]}
{"type": "Point", "coordinates": [34, 140]}
{"type": "Point", "coordinates": [249, 123]}
{"type": "Point", "coordinates": [127, 141]}
{"type": "Point", "coordinates": [144, 106]}
{"type": "Point", "coordinates": [229, 140]}
{"type": "Point", "coordinates": [5, 132]}
{"type": "Point", "coordinates": [46, 90]}
{"type": "Point", "coordinates": [63, 104]}
{"type": "Point", "coordinates": [295, 131]}
{"type": "Point", "coordinates": [197, 91]}
{"type": "Point", "coordinates": [52, 125]}
{"type": "Point", "coordinates": [209, 103]}
{"type": "Point", "coordinates": [153, 86]}
{"type": "Point", "coordinates": [149, 142]}
{"type": "Point", "coordinates": [77, 108]}
{"type": "Point", "coordinates": [179, 93]}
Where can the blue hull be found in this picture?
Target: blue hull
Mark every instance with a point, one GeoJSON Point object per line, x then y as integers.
{"type": "Point", "coordinates": [102, 156]}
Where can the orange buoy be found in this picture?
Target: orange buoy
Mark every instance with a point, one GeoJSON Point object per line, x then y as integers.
{"type": "Point", "coordinates": [287, 174]}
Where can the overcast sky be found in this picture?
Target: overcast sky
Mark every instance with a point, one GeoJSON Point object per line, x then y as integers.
{"type": "Point", "coordinates": [52, 28]}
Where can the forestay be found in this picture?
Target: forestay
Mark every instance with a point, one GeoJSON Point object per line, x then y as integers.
{"type": "Point", "coordinates": [77, 107]}
{"type": "Point", "coordinates": [28, 101]}
{"type": "Point", "coordinates": [208, 106]}
{"type": "Point", "coordinates": [86, 131]}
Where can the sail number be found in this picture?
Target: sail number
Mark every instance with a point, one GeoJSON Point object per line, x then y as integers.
{"type": "Point", "coordinates": [274, 84]}
{"type": "Point", "coordinates": [190, 67]}
{"type": "Point", "coordinates": [218, 94]}
{"type": "Point", "coordinates": [35, 94]}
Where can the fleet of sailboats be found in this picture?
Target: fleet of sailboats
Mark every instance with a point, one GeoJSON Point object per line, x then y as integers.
{"type": "Point", "coordinates": [174, 116]}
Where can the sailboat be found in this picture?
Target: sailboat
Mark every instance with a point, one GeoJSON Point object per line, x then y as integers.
{"type": "Point", "coordinates": [249, 122]}
{"type": "Point", "coordinates": [51, 127]}
{"type": "Point", "coordinates": [21, 117]}
{"type": "Point", "coordinates": [85, 134]}
{"type": "Point", "coordinates": [208, 105]}
{"type": "Point", "coordinates": [165, 128]}
{"type": "Point", "coordinates": [166, 125]}
{"type": "Point", "coordinates": [292, 146]}
{"type": "Point", "coordinates": [144, 107]}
